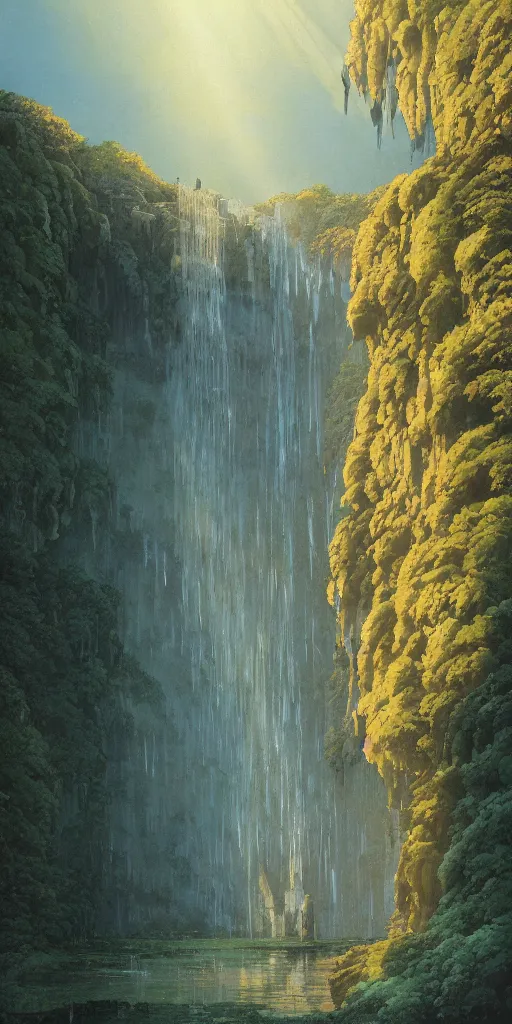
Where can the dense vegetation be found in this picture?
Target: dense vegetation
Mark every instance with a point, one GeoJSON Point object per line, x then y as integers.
{"type": "Point", "coordinates": [88, 257]}
{"type": "Point", "coordinates": [326, 223]}
{"type": "Point", "coordinates": [423, 560]}
{"type": "Point", "coordinates": [65, 677]}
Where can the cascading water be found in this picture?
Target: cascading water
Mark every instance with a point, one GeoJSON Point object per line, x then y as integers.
{"type": "Point", "coordinates": [223, 812]}
{"type": "Point", "coordinates": [252, 516]}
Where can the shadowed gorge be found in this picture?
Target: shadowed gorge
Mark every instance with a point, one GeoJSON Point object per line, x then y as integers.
{"type": "Point", "coordinates": [167, 642]}
{"type": "Point", "coordinates": [256, 547]}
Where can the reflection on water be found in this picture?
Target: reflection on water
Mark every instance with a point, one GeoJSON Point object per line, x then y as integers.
{"type": "Point", "coordinates": [289, 981]}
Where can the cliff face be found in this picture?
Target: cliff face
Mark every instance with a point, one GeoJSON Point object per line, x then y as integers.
{"type": "Point", "coordinates": [165, 516]}
{"type": "Point", "coordinates": [70, 689]}
{"type": "Point", "coordinates": [423, 560]}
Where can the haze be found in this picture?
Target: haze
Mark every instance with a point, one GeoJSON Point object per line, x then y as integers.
{"type": "Point", "coordinates": [245, 94]}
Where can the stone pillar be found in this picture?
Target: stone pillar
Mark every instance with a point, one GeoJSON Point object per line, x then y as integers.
{"type": "Point", "coordinates": [308, 918]}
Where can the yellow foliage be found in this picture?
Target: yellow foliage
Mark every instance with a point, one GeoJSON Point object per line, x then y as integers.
{"type": "Point", "coordinates": [454, 63]}
{"type": "Point", "coordinates": [425, 554]}
{"type": "Point", "coordinates": [54, 132]}
{"type": "Point", "coordinates": [335, 242]}
{"type": "Point", "coordinates": [361, 963]}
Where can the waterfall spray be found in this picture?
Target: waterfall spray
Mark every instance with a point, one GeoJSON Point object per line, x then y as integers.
{"type": "Point", "coordinates": [250, 510]}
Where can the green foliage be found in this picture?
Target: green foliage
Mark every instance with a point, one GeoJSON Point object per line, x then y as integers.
{"type": "Point", "coordinates": [58, 651]}
{"type": "Point", "coordinates": [53, 134]}
{"type": "Point", "coordinates": [425, 555]}
{"type": "Point", "coordinates": [62, 666]}
{"type": "Point", "coordinates": [342, 746]}
{"type": "Point", "coordinates": [118, 169]}
{"type": "Point", "coordinates": [139, 220]}
{"type": "Point", "coordinates": [326, 223]}
{"type": "Point", "coordinates": [46, 377]}
{"type": "Point", "coordinates": [342, 400]}
{"type": "Point", "coordinates": [461, 965]}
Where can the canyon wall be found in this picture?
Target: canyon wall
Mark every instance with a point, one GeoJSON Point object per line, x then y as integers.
{"type": "Point", "coordinates": [168, 496]}
{"type": "Point", "coordinates": [421, 564]}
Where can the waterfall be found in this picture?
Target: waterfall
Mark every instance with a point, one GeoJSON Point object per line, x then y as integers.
{"type": "Point", "coordinates": [224, 813]}
{"type": "Point", "coordinates": [250, 513]}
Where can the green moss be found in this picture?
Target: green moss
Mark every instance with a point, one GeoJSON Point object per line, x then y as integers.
{"type": "Point", "coordinates": [117, 169]}
{"type": "Point", "coordinates": [62, 665]}
{"type": "Point", "coordinates": [324, 222]}
{"type": "Point", "coordinates": [425, 554]}
{"type": "Point", "coordinates": [344, 394]}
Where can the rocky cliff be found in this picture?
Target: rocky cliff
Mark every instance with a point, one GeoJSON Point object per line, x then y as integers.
{"type": "Point", "coordinates": [421, 565]}
{"type": "Point", "coordinates": [168, 494]}
{"type": "Point", "coordinates": [73, 243]}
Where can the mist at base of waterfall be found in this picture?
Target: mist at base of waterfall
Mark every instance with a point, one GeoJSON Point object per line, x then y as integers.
{"type": "Point", "coordinates": [224, 814]}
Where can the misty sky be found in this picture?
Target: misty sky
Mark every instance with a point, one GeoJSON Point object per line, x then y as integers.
{"type": "Point", "coordinates": [245, 94]}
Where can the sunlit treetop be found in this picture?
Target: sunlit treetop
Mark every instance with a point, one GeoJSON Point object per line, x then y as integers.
{"type": "Point", "coordinates": [326, 223]}
{"type": "Point", "coordinates": [52, 132]}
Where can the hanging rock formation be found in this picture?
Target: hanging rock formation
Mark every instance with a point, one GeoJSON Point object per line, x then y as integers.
{"type": "Point", "coordinates": [422, 564]}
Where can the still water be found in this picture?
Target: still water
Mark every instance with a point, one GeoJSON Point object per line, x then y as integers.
{"type": "Point", "coordinates": [291, 980]}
